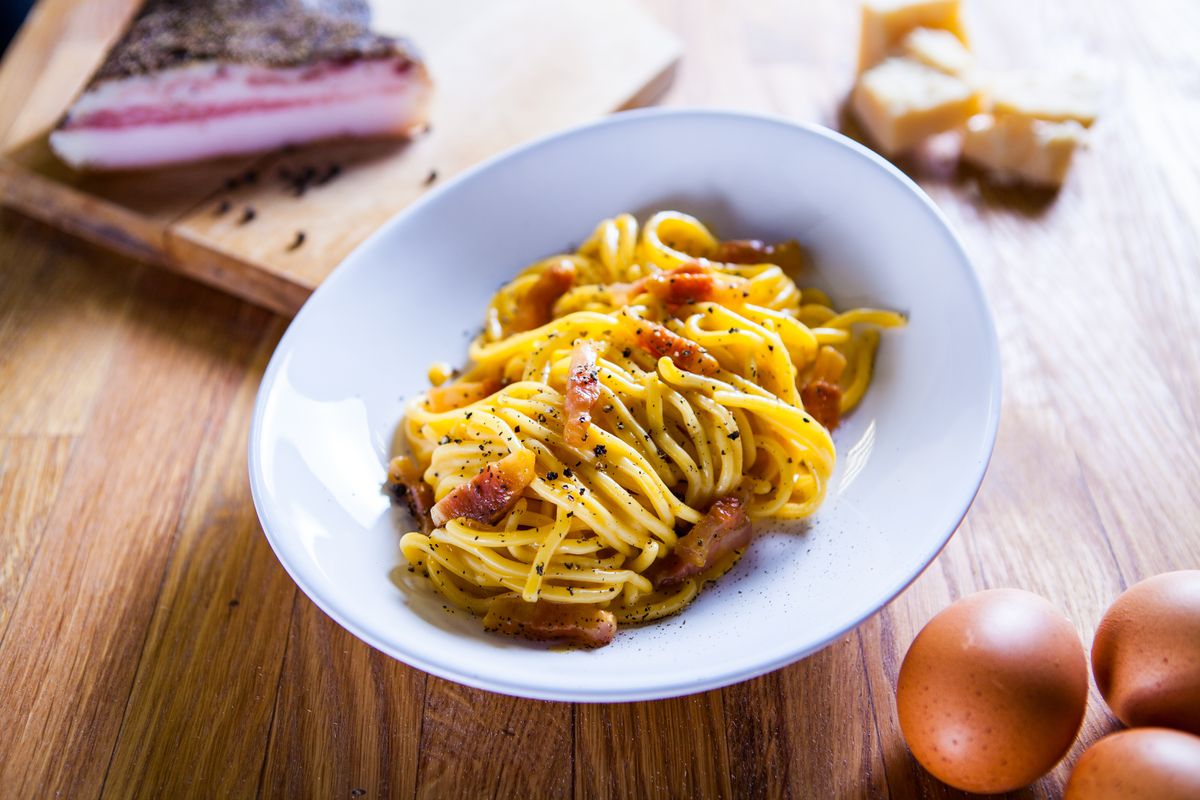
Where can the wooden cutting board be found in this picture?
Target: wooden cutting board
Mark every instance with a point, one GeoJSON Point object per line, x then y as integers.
{"type": "Point", "coordinates": [505, 72]}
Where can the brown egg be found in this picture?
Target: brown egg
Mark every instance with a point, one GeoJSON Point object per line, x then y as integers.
{"type": "Point", "coordinates": [1146, 655]}
{"type": "Point", "coordinates": [1150, 763]}
{"type": "Point", "coordinates": [993, 690]}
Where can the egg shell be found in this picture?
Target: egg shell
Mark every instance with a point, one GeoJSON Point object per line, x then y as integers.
{"type": "Point", "coordinates": [1146, 654]}
{"type": "Point", "coordinates": [1150, 763]}
{"type": "Point", "coordinates": [993, 690]}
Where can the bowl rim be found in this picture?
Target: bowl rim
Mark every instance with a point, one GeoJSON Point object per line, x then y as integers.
{"type": "Point", "coordinates": [663, 689]}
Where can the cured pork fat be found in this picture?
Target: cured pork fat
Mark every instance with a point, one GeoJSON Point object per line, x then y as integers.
{"type": "Point", "coordinates": [196, 79]}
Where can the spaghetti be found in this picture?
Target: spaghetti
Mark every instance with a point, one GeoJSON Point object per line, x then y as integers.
{"type": "Point", "coordinates": [630, 408]}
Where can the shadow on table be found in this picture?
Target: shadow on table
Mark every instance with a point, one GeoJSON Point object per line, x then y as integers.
{"type": "Point", "coordinates": [71, 283]}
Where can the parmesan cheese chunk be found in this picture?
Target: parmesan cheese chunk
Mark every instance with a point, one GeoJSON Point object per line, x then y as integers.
{"type": "Point", "coordinates": [901, 102]}
{"type": "Point", "coordinates": [1015, 148]}
{"type": "Point", "coordinates": [886, 22]}
{"type": "Point", "coordinates": [939, 49]}
{"type": "Point", "coordinates": [1073, 97]}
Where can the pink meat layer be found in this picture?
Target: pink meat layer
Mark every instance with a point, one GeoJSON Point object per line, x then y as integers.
{"type": "Point", "coordinates": [208, 110]}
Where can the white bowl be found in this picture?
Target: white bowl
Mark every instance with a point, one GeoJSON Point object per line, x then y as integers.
{"type": "Point", "coordinates": [910, 458]}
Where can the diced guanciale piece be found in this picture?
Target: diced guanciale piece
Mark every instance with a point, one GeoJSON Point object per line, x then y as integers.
{"type": "Point", "coordinates": [489, 495]}
{"type": "Point", "coordinates": [659, 340]}
{"type": "Point", "coordinates": [537, 306]}
{"type": "Point", "coordinates": [583, 390]}
{"type": "Point", "coordinates": [450, 396]}
{"type": "Point", "coordinates": [418, 495]}
{"type": "Point", "coordinates": [691, 283]}
{"type": "Point", "coordinates": [725, 528]}
{"type": "Point", "coordinates": [823, 401]}
{"type": "Point", "coordinates": [578, 624]}
{"type": "Point", "coordinates": [789, 254]}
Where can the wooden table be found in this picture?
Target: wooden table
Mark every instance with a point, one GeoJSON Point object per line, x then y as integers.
{"type": "Point", "coordinates": [150, 644]}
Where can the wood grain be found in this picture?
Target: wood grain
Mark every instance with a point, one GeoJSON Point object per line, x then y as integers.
{"type": "Point", "coordinates": [669, 748]}
{"type": "Point", "coordinates": [82, 616]}
{"type": "Point", "coordinates": [31, 475]}
{"type": "Point", "coordinates": [126, 528]}
{"type": "Point", "coordinates": [348, 718]}
{"type": "Point", "coordinates": [475, 744]}
{"type": "Point", "coordinates": [781, 726]}
{"type": "Point", "coordinates": [48, 294]}
{"type": "Point", "coordinates": [222, 586]}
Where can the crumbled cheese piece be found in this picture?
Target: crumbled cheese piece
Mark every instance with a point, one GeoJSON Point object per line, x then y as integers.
{"type": "Point", "coordinates": [439, 373]}
{"type": "Point", "coordinates": [1016, 148]}
{"type": "Point", "coordinates": [1074, 96]}
{"type": "Point", "coordinates": [939, 49]}
{"type": "Point", "coordinates": [900, 102]}
{"type": "Point", "coordinates": [886, 22]}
